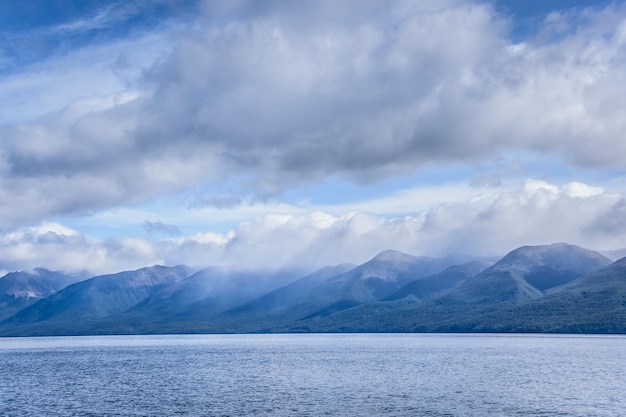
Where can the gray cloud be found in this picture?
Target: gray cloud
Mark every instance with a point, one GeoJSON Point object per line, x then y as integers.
{"type": "Point", "coordinates": [381, 94]}
{"type": "Point", "coordinates": [273, 97]}
{"type": "Point", "coordinates": [612, 222]}
{"type": "Point", "coordinates": [160, 227]}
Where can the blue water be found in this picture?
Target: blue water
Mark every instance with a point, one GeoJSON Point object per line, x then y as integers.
{"type": "Point", "coordinates": [314, 375]}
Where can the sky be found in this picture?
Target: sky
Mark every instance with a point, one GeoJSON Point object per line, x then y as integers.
{"type": "Point", "coordinates": [271, 134]}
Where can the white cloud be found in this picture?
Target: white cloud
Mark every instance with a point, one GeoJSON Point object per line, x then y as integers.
{"type": "Point", "coordinates": [362, 96]}
{"type": "Point", "coordinates": [488, 223]}
{"type": "Point", "coordinates": [270, 97]}
{"type": "Point", "coordinates": [578, 189]}
{"type": "Point", "coordinates": [54, 246]}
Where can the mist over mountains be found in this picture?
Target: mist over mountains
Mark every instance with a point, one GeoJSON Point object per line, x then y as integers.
{"type": "Point", "coordinates": [551, 288]}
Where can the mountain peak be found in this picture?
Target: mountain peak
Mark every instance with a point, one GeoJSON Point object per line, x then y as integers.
{"type": "Point", "coordinates": [547, 266]}
{"type": "Point", "coordinates": [556, 256]}
{"type": "Point", "coordinates": [620, 262]}
{"type": "Point", "coordinates": [391, 255]}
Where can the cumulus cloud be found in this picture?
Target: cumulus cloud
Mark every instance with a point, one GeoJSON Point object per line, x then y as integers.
{"type": "Point", "coordinates": [374, 95]}
{"type": "Point", "coordinates": [267, 97]}
{"type": "Point", "coordinates": [488, 224]}
{"type": "Point", "coordinates": [54, 246]}
{"type": "Point", "coordinates": [485, 224]}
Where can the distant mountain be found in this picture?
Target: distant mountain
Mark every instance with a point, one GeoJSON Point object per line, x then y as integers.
{"type": "Point", "coordinates": [194, 301]}
{"type": "Point", "coordinates": [279, 306]}
{"type": "Point", "coordinates": [19, 290]}
{"type": "Point", "coordinates": [299, 290]}
{"type": "Point", "coordinates": [238, 288]}
{"type": "Point", "coordinates": [433, 285]}
{"type": "Point", "coordinates": [80, 303]}
{"type": "Point", "coordinates": [519, 277]}
{"type": "Point", "coordinates": [252, 302]}
{"type": "Point", "coordinates": [548, 288]}
{"type": "Point", "coordinates": [383, 275]}
{"type": "Point", "coordinates": [593, 303]}
{"type": "Point", "coordinates": [524, 273]}
{"type": "Point", "coordinates": [321, 295]}
{"type": "Point", "coordinates": [548, 266]}
{"type": "Point", "coordinates": [210, 283]}
{"type": "Point", "coordinates": [366, 317]}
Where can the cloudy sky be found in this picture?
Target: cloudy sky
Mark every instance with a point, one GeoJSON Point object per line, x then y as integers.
{"type": "Point", "coordinates": [279, 133]}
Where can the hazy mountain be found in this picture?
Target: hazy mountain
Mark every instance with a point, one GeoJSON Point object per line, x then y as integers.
{"type": "Point", "coordinates": [517, 278]}
{"type": "Point", "coordinates": [296, 291]}
{"type": "Point", "coordinates": [176, 298]}
{"type": "Point", "coordinates": [279, 306]}
{"type": "Point", "coordinates": [19, 290]}
{"type": "Point", "coordinates": [555, 288]}
{"type": "Point", "coordinates": [248, 302]}
{"type": "Point", "coordinates": [593, 303]}
{"type": "Point", "coordinates": [524, 273]}
{"type": "Point", "coordinates": [446, 280]}
{"type": "Point", "coordinates": [365, 317]}
{"type": "Point", "coordinates": [615, 254]}
{"type": "Point", "coordinates": [383, 275]}
{"type": "Point", "coordinates": [239, 288]}
{"type": "Point", "coordinates": [192, 302]}
{"type": "Point", "coordinates": [520, 277]}
{"type": "Point", "coordinates": [321, 294]}
{"type": "Point", "coordinates": [548, 266]}
{"type": "Point", "coordinates": [91, 299]}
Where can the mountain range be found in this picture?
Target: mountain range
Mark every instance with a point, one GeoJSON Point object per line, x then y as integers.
{"type": "Point", "coordinates": [558, 288]}
{"type": "Point", "coordinates": [19, 290]}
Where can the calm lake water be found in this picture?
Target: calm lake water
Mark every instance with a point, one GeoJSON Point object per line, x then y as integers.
{"type": "Point", "coordinates": [313, 375]}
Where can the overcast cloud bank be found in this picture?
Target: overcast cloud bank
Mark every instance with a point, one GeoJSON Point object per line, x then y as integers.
{"type": "Point", "coordinates": [248, 101]}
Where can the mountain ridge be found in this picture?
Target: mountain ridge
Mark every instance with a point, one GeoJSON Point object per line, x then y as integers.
{"type": "Point", "coordinates": [543, 288]}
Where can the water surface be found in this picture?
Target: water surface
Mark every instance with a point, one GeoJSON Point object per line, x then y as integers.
{"type": "Point", "coordinates": [341, 374]}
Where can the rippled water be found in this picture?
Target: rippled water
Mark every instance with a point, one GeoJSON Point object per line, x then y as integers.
{"type": "Point", "coordinates": [300, 375]}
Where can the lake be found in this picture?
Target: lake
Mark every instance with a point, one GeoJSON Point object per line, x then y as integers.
{"type": "Point", "coordinates": [314, 375]}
